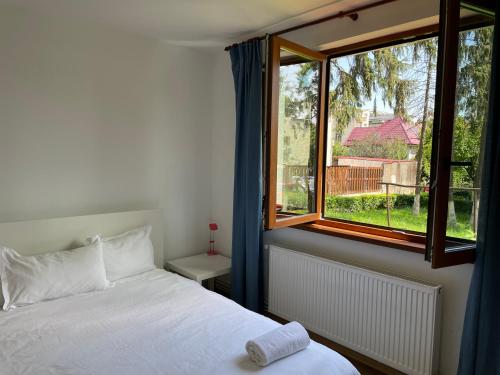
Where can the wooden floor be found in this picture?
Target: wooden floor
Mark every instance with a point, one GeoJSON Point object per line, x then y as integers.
{"type": "Point", "coordinates": [364, 369]}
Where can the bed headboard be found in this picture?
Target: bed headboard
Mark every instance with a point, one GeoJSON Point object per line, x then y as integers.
{"type": "Point", "coordinates": [40, 236]}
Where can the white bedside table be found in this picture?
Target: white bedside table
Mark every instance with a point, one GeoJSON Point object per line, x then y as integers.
{"type": "Point", "coordinates": [201, 267]}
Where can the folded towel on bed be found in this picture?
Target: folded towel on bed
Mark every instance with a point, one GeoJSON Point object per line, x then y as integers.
{"type": "Point", "coordinates": [278, 343]}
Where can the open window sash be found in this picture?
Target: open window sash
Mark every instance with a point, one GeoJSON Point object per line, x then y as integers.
{"type": "Point", "coordinates": [486, 7]}
{"type": "Point", "coordinates": [295, 131]}
{"type": "Point", "coordinates": [442, 249]}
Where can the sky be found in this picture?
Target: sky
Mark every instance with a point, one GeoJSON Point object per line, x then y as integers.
{"type": "Point", "coordinates": [416, 73]}
{"type": "Point", "coordinates": [290, 71]}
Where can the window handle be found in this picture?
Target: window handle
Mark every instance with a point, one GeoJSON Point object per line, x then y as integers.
{"type": "Point", "coordinates": [461, 163]}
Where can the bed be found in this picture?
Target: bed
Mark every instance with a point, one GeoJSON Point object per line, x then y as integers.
{"type": "Point", "coordinates": [155, 322]}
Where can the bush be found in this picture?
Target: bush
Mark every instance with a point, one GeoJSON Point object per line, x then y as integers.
{"type": "Point", "coordinates": [296, 199]}
{"type": "Point", "coordinates": [461, 194]}
{"type": "Point", "coordinates": [337, 203]}
{"type": "Point", "coordinates": [406, 200]}
{"type": "Point", "coordinates": [376, 201]}
{"type": "Point", "coordinates": [462, 205]}
{"type": "Point", "coordinates": [358, 203]}
{"type": "Point", "coordinates": [366, 202]}
{"type": "Point", "coordinates": [343, 204]}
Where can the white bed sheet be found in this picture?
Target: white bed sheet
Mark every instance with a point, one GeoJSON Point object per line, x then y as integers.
{"type": "Point", "coordinates": [154, 323]}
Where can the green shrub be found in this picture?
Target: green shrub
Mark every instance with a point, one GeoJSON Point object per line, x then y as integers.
{"type": "Point", "coordinates": [462, 205]}
{"type": "Point", "coordinates": [375, 201]}
{"type": "Point", "coordinates": [358, 203]}
{"type": "Point", "coordinates": [343, 204]}
{"type": "Point", "coordinates": [462, 194]}
{"type": "Point", "coordinates": [406, 200]}
{"type": "Point", "coordinates": [365, 202]}
{"type": "Point", "coordinates": [296, 199]}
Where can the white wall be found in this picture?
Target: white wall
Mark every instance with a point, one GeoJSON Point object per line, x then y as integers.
{"type": "Point", "coordinates": [93, 120]}
{"type": "Point", "coordinates": [223, 133]}
{"type": "Point", "coordinates": [455, 280]}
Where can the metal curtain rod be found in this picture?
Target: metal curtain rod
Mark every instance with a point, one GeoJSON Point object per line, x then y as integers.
{"type": "Point", "coordinates": [248, 40]}
{"type": "Point", "coordinates": [352, 14]}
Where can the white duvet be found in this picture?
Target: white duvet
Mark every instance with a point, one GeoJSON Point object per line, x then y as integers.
{"type": "Point", "coordinates": [154, 323]}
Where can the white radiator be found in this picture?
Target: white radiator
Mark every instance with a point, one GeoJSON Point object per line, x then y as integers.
{"type": "Point", "coordinates": [392, 320]}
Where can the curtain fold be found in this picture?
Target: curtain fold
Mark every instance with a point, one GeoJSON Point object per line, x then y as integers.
{"type": "Point", "coordinates": [480, 349]}
{"type": "Point", "coordinates": [247, 256]}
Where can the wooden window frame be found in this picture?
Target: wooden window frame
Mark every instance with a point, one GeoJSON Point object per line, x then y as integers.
{"type": "Point", "coordinates": [399, 239]}
{"type": "Point", "coordinates": [272, 219]}
{"type": "Point", "coordinates": [487, 6]}
{"type": "Point", "coordinates": [443, 251]}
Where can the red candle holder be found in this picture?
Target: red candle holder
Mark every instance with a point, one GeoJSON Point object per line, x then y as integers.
{"type": "Point", "coordinates": [211, 249]}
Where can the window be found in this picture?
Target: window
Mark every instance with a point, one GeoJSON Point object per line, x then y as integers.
{"type": "Point", "coordinates": [383, 142]}
{"type": "Point", "coordinates": [295, 134]}
{"type": "Point", "coordinates": [379, 132]}
{"type": "Point", "coordinates": [461, 109]}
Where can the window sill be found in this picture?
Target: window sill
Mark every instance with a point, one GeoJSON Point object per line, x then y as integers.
{"type": "Point", "coordinates": [383, 237]}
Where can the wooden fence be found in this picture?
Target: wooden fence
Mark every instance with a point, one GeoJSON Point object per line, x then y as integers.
{"type": "Point", "coordinates": [291, 173]}
{"type": "Point", "coordinates": [340, 180]}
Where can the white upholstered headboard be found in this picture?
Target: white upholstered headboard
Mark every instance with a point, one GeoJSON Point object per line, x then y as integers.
{"type": "Point", "coordinates": [41, 236]}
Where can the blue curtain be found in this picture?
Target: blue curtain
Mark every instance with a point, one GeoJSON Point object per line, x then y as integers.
{"type": "Point", "coordinates": [246, 279]}
{"type": "Point", "coordinates": [480, 351]}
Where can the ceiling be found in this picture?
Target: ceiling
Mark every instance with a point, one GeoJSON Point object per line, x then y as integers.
{"type": "Point", "coordinates": [189, 21]}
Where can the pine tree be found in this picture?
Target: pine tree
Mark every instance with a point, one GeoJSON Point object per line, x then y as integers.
{"type": "Point", "coordinates": [423, 50]}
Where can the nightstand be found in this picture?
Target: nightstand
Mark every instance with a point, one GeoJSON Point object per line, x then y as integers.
{"type": "Point", "coordinates": [201, 267]}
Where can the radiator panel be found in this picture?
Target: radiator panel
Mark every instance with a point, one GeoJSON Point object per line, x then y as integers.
{"type": "Point", "coordinates": [392, 320]}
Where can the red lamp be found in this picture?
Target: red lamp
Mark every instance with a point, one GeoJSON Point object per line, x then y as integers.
{"type": "Point", "coordinates": [211, 250]}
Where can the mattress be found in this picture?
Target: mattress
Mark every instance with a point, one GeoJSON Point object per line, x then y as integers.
{"type": "Point", "coordinates": [153, 323]}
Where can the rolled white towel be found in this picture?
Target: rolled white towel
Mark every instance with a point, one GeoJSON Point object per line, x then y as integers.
{"type": "Point", "coordinates": [278, 343]}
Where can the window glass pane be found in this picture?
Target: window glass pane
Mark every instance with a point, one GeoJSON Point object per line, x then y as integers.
{"type": "Point", "coordinates": [381, 106]}
{"type": "Point", "coordinates": [473, 76]}
{"type": "Point", "coordinates": [297, 135]}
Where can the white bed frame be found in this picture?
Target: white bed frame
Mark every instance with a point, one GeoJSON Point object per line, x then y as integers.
{"type": "Point", "coordinates": [45, 235]}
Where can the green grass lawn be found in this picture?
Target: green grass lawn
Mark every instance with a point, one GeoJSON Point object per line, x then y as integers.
{"type": "Point", "coordinates": [402, 218]}
{"type": "Point", "coordinates": [401, 215]}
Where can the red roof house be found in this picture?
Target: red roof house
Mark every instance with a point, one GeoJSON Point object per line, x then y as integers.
{"type": "Point", "coordinates": [395, 129]}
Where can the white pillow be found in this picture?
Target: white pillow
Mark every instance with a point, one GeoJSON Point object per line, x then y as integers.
{"type": "Point", "coordinates": [30, 279]}
{"type": "Point", "coordinates": [128, 254]}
